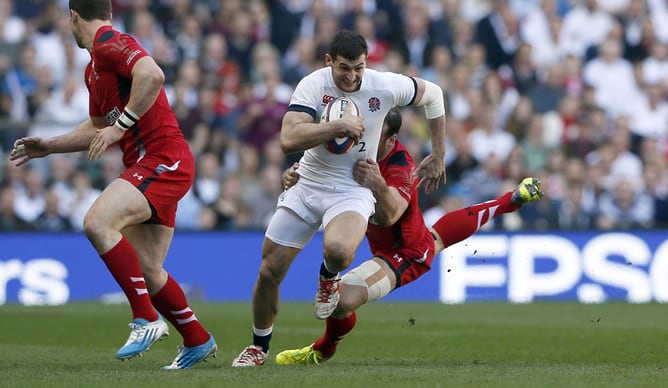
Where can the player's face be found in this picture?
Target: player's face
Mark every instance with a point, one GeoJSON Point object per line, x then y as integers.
{"type": "Point", "coordinates": [76, 32]}
{"type": "Point", "coordinates": [347, 73]}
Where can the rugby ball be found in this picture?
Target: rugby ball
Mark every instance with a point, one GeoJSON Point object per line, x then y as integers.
{"type": "Point", "coordinates": [334, 111]}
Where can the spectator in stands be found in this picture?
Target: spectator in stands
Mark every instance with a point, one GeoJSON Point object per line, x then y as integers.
{"type": "Point", "coordinates": [546, 95]}
{"type": "Point", "coordinates": [19, 86]}
{"type": "Point", "coordinates": [12, 27]}
{"type": "Point", "coordinates": [300, 60]}
{"type": "Point", "coordinates": [9, 220]}
{"type": "Point", "coordinates": [488, 138]}
{"type": "Point", "coordinates": [638, 30]}
{"type": "Point", "coordinates": [264, 200]}
{"type": "Point", "coordinates": [60, 172]}
{"type": "Point", "coordinates": [207, 180]}
{"type": "Point", "coordinates": [574, 212]}
{"type": "Point", "coordinates": [612, 78]}
{"type": "Point", "coordinates": [30, 203]}
{"type": "Point", "coordinates": [498, 33]}
{"type": "Point", "coordinates": [625, 206]}
{"type": "Point", "coordinates": [584, 26]}
{"type": "Point", "coordinates": [189, 38]}
{"type": "Point", "coordinates": [417, 42]}
{"type": "Point", "coordinates": [84, 194]}
{"type": "Point", "coordinates": [51, 220]}
{"type": "Point", "coordinates": [540, 29]}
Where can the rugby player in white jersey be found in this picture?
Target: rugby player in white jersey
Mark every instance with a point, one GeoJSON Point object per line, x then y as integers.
{"type": "Point", "coordinates": [326, 194]}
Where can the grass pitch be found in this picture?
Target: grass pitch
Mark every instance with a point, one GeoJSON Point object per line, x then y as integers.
{"type": "Point", "coordinates": [393, 345]}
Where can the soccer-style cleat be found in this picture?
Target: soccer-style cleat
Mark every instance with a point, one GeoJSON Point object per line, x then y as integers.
{"type": "Point", "coordinates": [527, 191]}
{"type": "Point", "coordinates": [189, 356]}
{"type": "Point", "coordinates": [143, 334]}
{"type": "Point", "coordinates": [327, 297]}
{"type": "Point", "coordinates": [304, 356]}
{"type": "Point", "coordinates": [251, 356]}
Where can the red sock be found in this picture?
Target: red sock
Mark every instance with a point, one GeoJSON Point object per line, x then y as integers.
{"type": "Point", "coordinates": [459, 225]}
{"type": "Point", "coordinates": [172, 304]}
{"type": "Point", "coordinates": [123, 263]}
{"type": "Point", "coordinates": [335, 330]}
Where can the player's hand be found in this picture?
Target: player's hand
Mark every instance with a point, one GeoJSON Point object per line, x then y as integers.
{"type": "Point", "coordinates": [431, 171]}
{"type": "Point", "coordinates": [104, 138]}
{"type": "Point", "coordinates": [353, 126]}
{"type": "Point", "coordinates": [290, 176]}
{"type": "Point", "coordinates": [367, 173]}
{"type": "Point", "coordinates": [27, 148]}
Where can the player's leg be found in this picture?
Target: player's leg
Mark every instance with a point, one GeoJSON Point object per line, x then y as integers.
{"type": "Point", "coordinates": [286, 235]}
{"type": "Point", "coordinates": [152, 241]}
{"type": "Point", "coordinates": [342, 235]}
{"type": "Point", "coordinates": [120, 205]}
{"type": "Point", "coordinates": [368, 282]}
{"type": "Point", "coordinates": [461, 224]}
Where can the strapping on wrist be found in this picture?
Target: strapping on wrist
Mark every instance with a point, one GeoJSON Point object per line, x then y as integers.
{"type": "Point", "coordinates": [126, 120]}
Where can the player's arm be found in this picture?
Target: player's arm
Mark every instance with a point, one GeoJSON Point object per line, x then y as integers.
{"type": "Point", "coordinates": [390, 204]}
{"type": "Point", "coordinates": [299, 131]}
{"type": "Point", "coordinates": [33, 147]}
{"type": "Point", "coordinates": [432, 168]}
{"type": "Point", "coordinates": [147, 81]}
{"type": "Point", "coordinates": [77, 140]}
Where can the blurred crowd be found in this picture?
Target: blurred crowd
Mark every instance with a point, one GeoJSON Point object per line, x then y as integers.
{"type": "Point", "coordinates": [572, 92]}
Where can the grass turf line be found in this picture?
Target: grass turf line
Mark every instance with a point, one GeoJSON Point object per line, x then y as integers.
{"type": "Point", "coordinates": [394, 344]}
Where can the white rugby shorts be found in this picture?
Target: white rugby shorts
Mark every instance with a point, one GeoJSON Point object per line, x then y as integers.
{"type": "Point", "coordinates": [303, 208]}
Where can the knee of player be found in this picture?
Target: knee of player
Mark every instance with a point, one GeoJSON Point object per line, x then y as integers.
{"type": "Point", "coordinates": [366, 283]}
{"type": "Point", "coordinates": [351, 299]}
{"type": "Point", "coordinates": [338, 255]}
{"type": "Point", "coordinates": [270, 275]}
{"type": "Point", "coordinates": [92, 225]}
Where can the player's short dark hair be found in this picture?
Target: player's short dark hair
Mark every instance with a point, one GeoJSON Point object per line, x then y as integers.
{"type": "Point", "coordinates": [393, 120]}
{"type": "Point", "coordinates": [92, 9]}
{"type": "Point", "coordinates": [348, 44]}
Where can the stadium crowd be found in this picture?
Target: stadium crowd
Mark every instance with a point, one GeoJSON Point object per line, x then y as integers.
{"type": "Point", "coordinates": [574, 92]}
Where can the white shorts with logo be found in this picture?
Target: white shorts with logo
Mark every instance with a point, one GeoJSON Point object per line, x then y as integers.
{"type": "Point", "coordinates": [303, 208]}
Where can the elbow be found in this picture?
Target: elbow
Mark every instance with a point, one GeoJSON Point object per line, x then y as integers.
{"type": "Point", "coordinates": [288, 146]}
{"type": "Point", "coordinates": [157, 78]}
{"type": "Point", "coordinates": [150, 77]}
{"type": "Point", "coordinates": [386, 220]}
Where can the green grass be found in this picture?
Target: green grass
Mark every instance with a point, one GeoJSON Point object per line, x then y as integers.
{"type": "Point", "coordinates": [393, 345]}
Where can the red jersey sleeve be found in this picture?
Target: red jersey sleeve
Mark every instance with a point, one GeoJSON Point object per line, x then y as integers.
{"type": "Point", "coordinates": [398, 173]}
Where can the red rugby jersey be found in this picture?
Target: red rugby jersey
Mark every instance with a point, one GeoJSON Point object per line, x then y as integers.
{"type": "Point", "coordinates": [409, 233]}
{"type": "Point", "coordinates": [108, 79]}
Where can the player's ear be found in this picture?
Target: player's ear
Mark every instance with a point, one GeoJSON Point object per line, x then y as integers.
{"type": "Point", "coordinates": [328, 60]}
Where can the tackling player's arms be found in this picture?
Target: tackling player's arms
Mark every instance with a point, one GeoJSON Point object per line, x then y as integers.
{"type": "Point", "coordinates": [390, 204]}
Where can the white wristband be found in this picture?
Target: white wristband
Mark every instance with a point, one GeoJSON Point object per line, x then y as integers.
{"type": "Point", "coordinates": [126, 120]}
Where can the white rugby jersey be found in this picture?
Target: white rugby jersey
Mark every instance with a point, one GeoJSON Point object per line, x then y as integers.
{"type": "Point", "coordinates": [379, 92]}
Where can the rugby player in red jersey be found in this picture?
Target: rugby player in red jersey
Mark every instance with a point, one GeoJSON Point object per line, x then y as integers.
{"type": "Point", "coordinates": [403, 246]}
{"type": "Point", "coordinates": [131, 224]}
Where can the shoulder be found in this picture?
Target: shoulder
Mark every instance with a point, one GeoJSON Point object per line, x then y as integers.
{"type": "Point", "coordinates": [318, 76]}
{"type": "Point", "coordinates": [110, 41]}
{"type": "Point", "coordinates": [400, 158]}
{"type": "Point", "coordinates": [387, 80]}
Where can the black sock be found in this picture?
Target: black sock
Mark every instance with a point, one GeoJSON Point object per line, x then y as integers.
{"type": "Point", "coordinates": [324, 272]}
{"type": "Point", "coordinates": [262, 341]}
